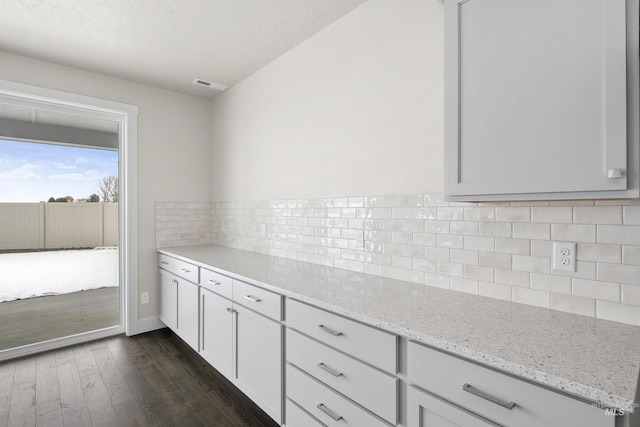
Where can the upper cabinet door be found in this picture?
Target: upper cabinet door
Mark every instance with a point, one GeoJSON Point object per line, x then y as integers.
{"type": "Point", "coordinates": [537, 99]}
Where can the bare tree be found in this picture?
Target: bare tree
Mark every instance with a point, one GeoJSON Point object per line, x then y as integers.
{"type": "Point", "coordinates": [108, 189]}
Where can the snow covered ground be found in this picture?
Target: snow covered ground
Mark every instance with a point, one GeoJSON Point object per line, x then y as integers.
{"type": "Point", "coordinates": [31, 274]}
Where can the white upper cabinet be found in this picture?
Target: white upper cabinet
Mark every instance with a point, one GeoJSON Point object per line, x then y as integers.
{"type": "Point", "coordinates": [541, 99]}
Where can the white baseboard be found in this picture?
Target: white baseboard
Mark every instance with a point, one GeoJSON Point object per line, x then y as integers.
{"type": "Point", "coordinates": [149, 324]}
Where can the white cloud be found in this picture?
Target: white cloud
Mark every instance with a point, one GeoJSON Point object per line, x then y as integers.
{"type": "Point", "coordinates": [26, 171]}
{"type": "Point", "coordinates": [64, 166]}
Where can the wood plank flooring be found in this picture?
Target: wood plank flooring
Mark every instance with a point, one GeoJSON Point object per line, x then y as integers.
{"type": "Point", "coordinates": [152, 379]}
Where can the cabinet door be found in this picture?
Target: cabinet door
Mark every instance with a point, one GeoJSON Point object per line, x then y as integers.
{"type": "Point", "coordinates": [536, 99]}
{"type": "Point", "coordinates": [216, 335]}
{"type": "Point", "coordinates": [168, 299]}
{"type": "Point", "coordinates": [427, 410]}
{"type": "Point", "coordinates": [258, 360]}
{"type": "Point", "coordinates": [188, 312]}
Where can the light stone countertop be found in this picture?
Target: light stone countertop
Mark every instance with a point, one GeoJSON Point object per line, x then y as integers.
{"type": "Point", "coordinates": [592, 359]}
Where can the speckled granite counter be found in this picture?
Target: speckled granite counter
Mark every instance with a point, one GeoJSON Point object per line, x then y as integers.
{"type": "Point", "coordinates": [593, 359]}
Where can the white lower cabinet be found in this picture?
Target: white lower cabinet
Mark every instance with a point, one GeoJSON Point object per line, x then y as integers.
{"type": "Point", "coordinates": [243, 345]}
{"type": "Point", "coordinates": [168, 299]}
{"type": "Point", "coordinates": [296, 416]}
{"type": "Point", "coordinates": [495, 396]}
{"type": "Point", "coordinates": [323, 403]}
{"type": "Point", "coordinates": [188, 319]}
{"type": "Point", "coordinates": [426, 410]}
{"type": "Point", "coordinates": [179, 306]}
{"type": "Point", "coordinates": [340, 371]}
{"type": "Point", "coordinates": [216, 337]}
{"type": "Point", "coordinates": [258, 360]}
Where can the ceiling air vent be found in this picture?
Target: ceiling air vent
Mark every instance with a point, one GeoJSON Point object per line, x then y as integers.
{"type": "Point", "coordinates": [206, 83]}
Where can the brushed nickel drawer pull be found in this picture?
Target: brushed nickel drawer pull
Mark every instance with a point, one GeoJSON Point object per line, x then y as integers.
{"type": "Point", "coordinates": [329, 331]}
{"type": "Point", "coordinates": [230, 310]}
{"type": "Point", "coordinates": [329, 412]}
{"type": "Point", "coordinates": [471, 389]}
{"type": "Point", "coordinates": [184, 270]}
{"type": "Point", "coordinates": [253, 299]}
{"type": "Point", "coordinates": [329, 370]}
{"type": "Point", "coordinates": [213, 282]}
{"type": "Point", "coordinates": [164, 263]}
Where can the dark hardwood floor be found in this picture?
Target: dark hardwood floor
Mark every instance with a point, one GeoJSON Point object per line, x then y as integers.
{"type": "Point", "coordinates": [152, 379]}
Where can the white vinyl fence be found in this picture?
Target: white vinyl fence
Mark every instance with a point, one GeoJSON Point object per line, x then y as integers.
{"type": "Point", "coordinates": [58, 225]}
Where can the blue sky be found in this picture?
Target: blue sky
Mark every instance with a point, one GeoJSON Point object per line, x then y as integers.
{"type": "Point", "coordinates": [32, 172]}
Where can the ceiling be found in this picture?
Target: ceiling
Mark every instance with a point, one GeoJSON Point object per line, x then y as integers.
{"type": "Point", "coordinates": [165, 43]}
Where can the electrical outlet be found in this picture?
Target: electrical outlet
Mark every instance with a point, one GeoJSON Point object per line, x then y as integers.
{"type": "Point", "coordinates": [564, 256]}
{"type": "Point", "coordinates": [144, 298]}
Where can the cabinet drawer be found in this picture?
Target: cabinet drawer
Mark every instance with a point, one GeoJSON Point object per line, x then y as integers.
{"type": "Point", "coordinates": [257, 299]}
{"type": "Point", "coordinates": [326, 405]}
{"type": "Point", "coordinates": [178, 267]}
{"type": "Point", "coordinates": [363, 342]}
{"type": "Point", "coordinates": [216, 282]}
{"type": "Point", "coordinates": [361, 383]}
{"type": "Point", "coordinates": [297, 417]}
{"type": "Point", "coordinates": [445, 375]}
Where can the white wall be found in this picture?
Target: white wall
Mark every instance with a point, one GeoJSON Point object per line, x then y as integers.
{"type": "Point", "coordinates": [357, 109]}
{"type": "Point", "coordinates": [173, 144]}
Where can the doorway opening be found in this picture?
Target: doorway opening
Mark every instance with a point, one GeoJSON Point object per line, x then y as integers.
{"type": "Point", "coordinates": [67, 228]}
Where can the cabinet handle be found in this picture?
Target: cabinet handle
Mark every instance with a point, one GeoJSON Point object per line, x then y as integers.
{"type": "Point", "coordinates": [329, 412]}
{"type": "Point", "coordinates": [329, 331]}
{"type": "Point", "coordinates": [471, 389]}
{"type": "Point", "coordinates": [203, 322]}
{"type": "Point", "coordinates": [184, 270]}
{"type": "Point", "coordinates": [164, 263]}
{"type": "Point", "coordinates": [250, 298]}
{"type": "Point", "coordinates": [615, 173]}
{"type": "Point", "coordinates": [230, 310]}
{"type": "Point", "coordinates": [213, 282]}
{"type": "Point", "coordinates": [329, 370]}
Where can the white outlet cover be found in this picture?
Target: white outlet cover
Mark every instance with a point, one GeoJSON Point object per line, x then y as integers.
{"type": "Point", "coordinates": [564, 256]}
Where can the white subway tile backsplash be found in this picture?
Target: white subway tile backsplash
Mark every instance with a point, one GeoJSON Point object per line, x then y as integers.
{"type": "Point", "coordinates": [597, 215]}
{"type": "Point", "coordinates": [631, 255]}
{"type": "Point", "coordinates": [493, 249]}
{"type": "Point", "coordinates": [513, 214]}
{"type": "Point", "coordinates": [531, 264]}
{"type": "Point", "coordinates": [450, 241]}
{"type": "Point", "coordinates": [631, 215]}
{"type": "Point", "coordinates": [495, 229]}
{"type": "Point", "coordinates": [512, 278]}
{"type": "Point", "coordinates": [485, 244]}
{"type": "Point", "coordinates": [555, 284]}
{"type": "Point", "coordinates": [596, 290]}
{"type": "Point", "coordinates": [463, 256]}
{"type": "Point", "coordinates": [621, 234]}
{"type": "Point", "coordinates": [624, 313]}
{"type": "Point", "coordinates": [464, 228]}
{"type": "Point", "coordinates": [494, 290]}
{"type": "Point", "coordinates": [478, 273]}
{"type": "Point", "coordinates": [513, 246]}
{"type": "Point", "coordinates": [573, 232]}
{"type": "Point", "coordinates": [628, 274]}
{"type": "Point", "coordinates": [631, 294]}
{"type": "Point", "coordinates": [599, 252]}
{"type": "Point", "coordinates": [479, 213]}
{"type": "Point", "coordinates": [495, 260]}
{"type": "Point", "coordinates": [552, 214]}
{"type": "Point", "coordinates": [531, 297]}
{"type": "Point", "coordinates": [464, 285]}
{"type": "Point", "coordinates": [531, 231]}
{"type": "Point", "coordinates": [572, 304]}
{"type": "Point", "coordinates": [542, 248]}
